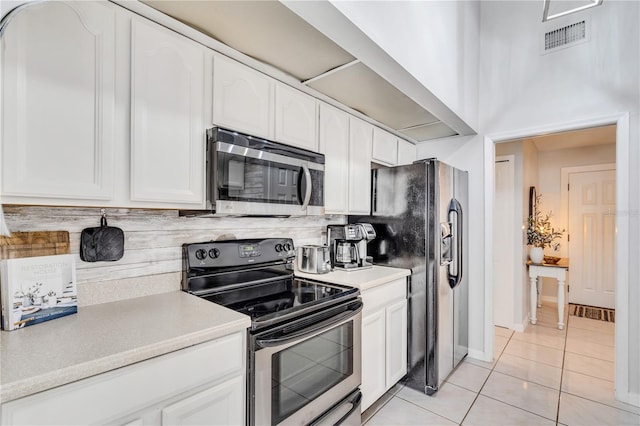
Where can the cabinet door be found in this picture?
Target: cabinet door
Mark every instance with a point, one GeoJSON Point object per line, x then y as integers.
{"type": "Point", "coordinates": [129, 392]}
{"type": "Point", "coordinates": [296, 118]}
{"type": "Point", "coordinates": [167, 123]}
{"type": "Point", "coordinates": [406, 152]}
{"type": "Point", "coordinates": [385, 147]}
{"type": "Point", "coordinates": [242, 98]}
{"type": "Point", "coordinates": [360, 141]}
{"type": "Point", "coordinates": [373, 358]}
{"type": "Point", "coordinates": [334, 143]}
{"type": "Point", "coordinates": [58, 103]}
{"type": "Point", "coordinates": [220, 405]}
{"type": "Point", "coordinates": [396, 328]}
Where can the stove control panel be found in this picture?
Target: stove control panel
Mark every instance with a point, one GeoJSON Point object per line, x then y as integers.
{"type": "Point", "coordinates": [250, 250]}
{"type": "Point", "coordinates": [223, 254]}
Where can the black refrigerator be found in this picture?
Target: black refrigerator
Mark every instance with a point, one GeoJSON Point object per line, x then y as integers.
{"type": "Point", "coordinates": [419, 213]}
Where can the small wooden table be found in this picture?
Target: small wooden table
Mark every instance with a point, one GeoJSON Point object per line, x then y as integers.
{"type": "Point", "coordinates": [548, 270]}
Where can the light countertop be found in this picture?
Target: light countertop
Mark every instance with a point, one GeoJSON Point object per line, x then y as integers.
{"type": "Point", "coordinates": [362, 278]}
{"type": "Point", "coordinates": [107, 336]}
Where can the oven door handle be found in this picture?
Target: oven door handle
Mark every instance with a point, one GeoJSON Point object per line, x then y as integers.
{"type": "Point", "coordinates": [308, 331]}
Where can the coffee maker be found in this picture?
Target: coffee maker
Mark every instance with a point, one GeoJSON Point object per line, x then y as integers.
{"type": "Point", "coordinates": [348, 245]}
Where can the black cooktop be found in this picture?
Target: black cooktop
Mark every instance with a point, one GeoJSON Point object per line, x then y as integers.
{"type": "Point", "coordinates": [288, 294]}
{"type": "Point", "coordinates": [255, 277]}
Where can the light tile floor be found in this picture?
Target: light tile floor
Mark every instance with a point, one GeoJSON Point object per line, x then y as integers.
{"type": "Point", "coordinates": [543, 376]}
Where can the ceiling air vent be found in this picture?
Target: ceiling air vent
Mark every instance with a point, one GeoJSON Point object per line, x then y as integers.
{"type": "Point", "coordinates": [566, 36]}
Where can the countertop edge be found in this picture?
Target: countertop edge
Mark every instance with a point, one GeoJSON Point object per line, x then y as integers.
{"type": "Point", "coordinates": [22, 388]}
{"type": "Point", "coordinates": [364, 279]}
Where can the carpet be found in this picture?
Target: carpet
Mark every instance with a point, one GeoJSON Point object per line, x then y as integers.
{"type": "Point", "coordinates": [592, 312]}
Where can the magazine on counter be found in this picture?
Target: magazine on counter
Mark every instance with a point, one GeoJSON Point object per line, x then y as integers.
{"type": "Point", "coordinates": [37, 289]}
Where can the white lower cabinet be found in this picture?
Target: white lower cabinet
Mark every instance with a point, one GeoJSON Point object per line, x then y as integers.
{"type": "Point", "coordinates": [220, 405]}
{"type": "Point", "coordinates": [203, 384]}
{"type": "Point", "coordinates": [384, 339]}
{"type": "Point", "coordinates": [396, 337]}
{"type": "Point", "coordinates": [373, 358]}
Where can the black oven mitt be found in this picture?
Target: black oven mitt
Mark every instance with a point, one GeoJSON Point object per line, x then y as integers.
{"type": "Point", "coordinates": [103, 243]}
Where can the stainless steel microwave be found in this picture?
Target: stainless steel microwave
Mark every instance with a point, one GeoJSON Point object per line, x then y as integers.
{"type": "Point", "coordinates": [250, 176]}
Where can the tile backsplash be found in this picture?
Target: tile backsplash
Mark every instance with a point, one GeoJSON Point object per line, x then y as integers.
{"type": "Point", "coordinates": [152, 260]}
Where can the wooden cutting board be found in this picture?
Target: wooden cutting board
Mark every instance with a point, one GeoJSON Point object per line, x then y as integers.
{"type": "Point", "coordinates": [29, 244]}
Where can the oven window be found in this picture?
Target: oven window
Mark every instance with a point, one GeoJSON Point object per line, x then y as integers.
{"type": "Point", "coordinates": [305, 371]}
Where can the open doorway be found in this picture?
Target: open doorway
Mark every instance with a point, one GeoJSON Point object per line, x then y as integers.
{"type": "Point", "coordinates": [622, 325]}
{"type": "Point", "coordinates": [549, 164]}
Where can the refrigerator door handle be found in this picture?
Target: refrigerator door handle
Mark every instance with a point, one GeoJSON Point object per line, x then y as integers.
{"type": "Point", "coordinates": [456, 278]}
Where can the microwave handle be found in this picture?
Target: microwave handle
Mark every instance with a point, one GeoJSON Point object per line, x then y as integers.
{"type": "Point", "coordinates": [307, 177]}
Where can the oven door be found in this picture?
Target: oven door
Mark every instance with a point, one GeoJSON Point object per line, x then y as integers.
{"type": "Point", "coordinates": [303, 368]}
{"type": "Point", "coordinates": [249, 181]}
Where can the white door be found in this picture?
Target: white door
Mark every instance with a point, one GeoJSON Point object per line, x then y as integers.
{"type": "Point", "coordinates": [504, 226]}
{"type": "Point", "coordinates": [592, 238]}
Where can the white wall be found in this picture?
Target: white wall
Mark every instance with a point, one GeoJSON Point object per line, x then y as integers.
{"type": "Point", "coordinates": [436, 41]}
{"type": "Point", "coordinates": [521, 89]}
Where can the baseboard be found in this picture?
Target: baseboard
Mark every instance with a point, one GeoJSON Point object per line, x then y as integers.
{"type": "Point", "coordinates": [518, 327]}
{"type": "Point", "coordinates": [479, 355]}
{"type": "Point", "coordinates": [630, 398]}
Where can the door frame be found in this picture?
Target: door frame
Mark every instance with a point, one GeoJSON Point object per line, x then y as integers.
{"type": "Point", "coordinates": [623, 393]}
{"type": "Point", "coordinates": [564, 195]}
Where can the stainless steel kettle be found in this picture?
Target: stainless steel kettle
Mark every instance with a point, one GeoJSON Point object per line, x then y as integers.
{"type": "Point", "coordinates": [313, 259]}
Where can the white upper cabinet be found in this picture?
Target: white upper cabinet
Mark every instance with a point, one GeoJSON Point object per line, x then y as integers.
{"type": "Point", "coordinates": [242, 98]}
{"type": "Point", "coordinates": [360, 141]}
{"type": "Point", "coordinates": [296, 118]}
{"type": "Point", "coordinates": [334, 143]}
{"type": "Point", "coordinates": [385, 147]}
{"type": "Point", "coordinates": [406, 152]}
{"type": "Point", "coordinates": [167, 117]}
{"type": "Point", "coordinates": [58, 104]}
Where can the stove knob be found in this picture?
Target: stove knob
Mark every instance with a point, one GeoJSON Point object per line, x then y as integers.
{"type": "Point", "coordinates": [278, 248]}
{"type": "Point", "coordinates": [214, 253]}
{"type": "Point", "coordinates": [201, 254]}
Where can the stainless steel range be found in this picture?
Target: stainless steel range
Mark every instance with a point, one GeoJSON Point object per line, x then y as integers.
{"type": "Point", "coordinates": [304, 343]}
